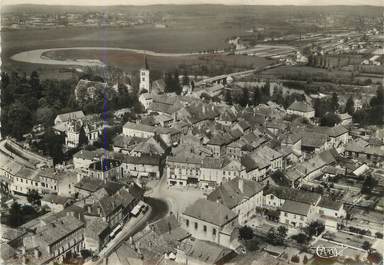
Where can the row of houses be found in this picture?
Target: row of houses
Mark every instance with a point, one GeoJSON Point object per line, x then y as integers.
{"type": "Point", "coordinates": [237, 201]}
{"type": "Point", "coordinates": [87, 224]}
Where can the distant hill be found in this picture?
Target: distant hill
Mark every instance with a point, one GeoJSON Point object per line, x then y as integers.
{"type": "Point", "coordinates": [200, 9]}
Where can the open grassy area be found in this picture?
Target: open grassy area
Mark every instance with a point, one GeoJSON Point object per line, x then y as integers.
{"type": "Point", "coordinates": [130, 61]}
{"type": "Point", "coordinates": [178, 38]}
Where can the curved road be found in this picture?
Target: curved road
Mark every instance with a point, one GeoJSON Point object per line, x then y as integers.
{"type": "Point", "coordinates": [35, 56]}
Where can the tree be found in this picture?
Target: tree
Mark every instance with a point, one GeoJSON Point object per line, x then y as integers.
{"type": "Point", "coordinates": [350, 106]}
{"type": "Point", "coordinates": [246, 233]}
{"type": "Point", "coordinates": [282, 232]}
{"type": "Point", "coordinates": [15, 215]}
{"type": "Point", "coordinates": [334, 102]}
{"type": "Point", "coordinates": [369, 183]}
{"type": "Point", "coordinates": [276, 237]}
{"type": "Point", "coordinates": [33, 197]}
{"type": "Point", "coordinates": [18, 120]}
{"type": "Point", "coordinates": [300, 238]}
{"type": "Point", "coordinates": [185, 81]}
{"type": "Point", "coordinates": [330, 120]}
{"type": "Point", "coordinates": [366, 246]}
{"type": "Point", "coordinates": [228, 97]}
{"type": "Point", "coordinates": [52, 144]}
{"type": "Point", "coordinates": [45, 115]}
{"type": "Point", "coordinates": [34, 81]}
{"type": "Point", "coordinates": [244, 98]}
{"type": "Point", "coordinates": [314, 229]}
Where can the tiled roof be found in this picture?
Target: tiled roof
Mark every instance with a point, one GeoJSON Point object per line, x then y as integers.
{"type": "Point", "coordinates": [211, 212]}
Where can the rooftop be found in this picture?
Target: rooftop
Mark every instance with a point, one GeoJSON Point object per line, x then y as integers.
{"type": "Point", "coordinates": [211, 212]}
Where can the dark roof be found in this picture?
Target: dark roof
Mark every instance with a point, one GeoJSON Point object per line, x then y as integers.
{"type": "Point", "coordinates": [92, 185]}
{"type": "Point", "coordinates": [295, 207]}
{"type": "Point", "coordinates": [329, 203]}
{"type": "Point", "coordinates": [141, 160]}
{"type": "Point", "coordinates": [105, 164]}
{"type": "Point", "coordinates": [56, 199]}
{"type": "Point", "coordinates": [234, 192]}
{"type": "Point", "coordinates": [211, 212]}
{"type": "Point", "coordinates": [292, 194]}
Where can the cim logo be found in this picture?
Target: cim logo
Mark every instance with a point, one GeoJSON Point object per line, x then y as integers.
{"type": "Point", "coordinates": [329, 252]}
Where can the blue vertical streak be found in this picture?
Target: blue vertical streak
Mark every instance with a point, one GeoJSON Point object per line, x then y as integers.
{"type": "Point", "coordinates": [104, 60]}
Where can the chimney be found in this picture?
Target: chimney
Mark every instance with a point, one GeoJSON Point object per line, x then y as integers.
{"type": "Point", "coordinates": [241, 185]}
{"type": "Point", "coordinates": [99, 210]}
{"type": "Point", "coordinates": [89, 208]}
{"type": "Point", "coordinates": [203, 109]}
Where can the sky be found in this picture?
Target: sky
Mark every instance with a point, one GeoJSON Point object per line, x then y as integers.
{"type": "Point", "coordinates": [228, 2]}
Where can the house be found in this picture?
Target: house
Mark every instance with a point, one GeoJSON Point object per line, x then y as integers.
{"type": "Point", "coordinates": [170, 136]}
{"type": "Point", "coordinates": [292, 141]}
{"type": "Point", "coordinates": [199, 252]}
{"type": "Point", "coordinates": [183, 169]}
{"type": "Point", "coordinates": [296, 214]}
{"type": "Point", "coordinates": [210, 221]}
{"type": "Point", "coordinates": [158, 86]}
{"type": "Point", "coordinates": [113, 209]}
{"type": "Point", "coordinates": [55, 240]}
{"type": "Point", "coordinates": [218, 143]}
{"type": "Point", "coordinates": [83, 158]}
{"type": "Point", "coordinates": [165, 104]}
{"type": "Point", "coordinates": [240, 195]}
{"type": "Point", "coordinates": [360, 149]}
{"type": "Point", "coordinates": [170, 230]}
{"type": "Point", "coordinates": [330, 212]}
{"type": "Point", "coordinates": [138, 130]}
{"type": "Point", "coordinates": [55, 202]}
{"type": "Point", "coordinates": [271, 155]}
{"type": "Point", "coordinates": [140, 166]}
{"type": "Point", "coordinates": [255, 167]}
{"type": "Point", "coordinates": [65, 117]}
{"type": "Point", "coordinates": [345, 119]}
{"type": "Point", "coordinates": [275, 196]}
{"type": "Point", "coordinates": [104, 169]}
{"type": "Point", "coordinates": [302, 109]}
{"type": "Point", "coordinates": [96, 235]}
{"type": "Point", "coordinates": [125, 144]}
{"type": "Point", "coordinates": [217, 170]}
{"type": "Point", "coordinates": [80, 131]}
{"type": "Point", "coordinates": [88, 91]}
{"type": "Point", "coordinates": [148, 147]}
{"type": "Point", "coordinates": [146, 100]}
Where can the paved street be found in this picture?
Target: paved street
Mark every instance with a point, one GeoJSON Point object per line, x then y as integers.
{"type": "Point", "coordinates": [130, 228]}
{"type": "Point", "coordinates": [177, 198]}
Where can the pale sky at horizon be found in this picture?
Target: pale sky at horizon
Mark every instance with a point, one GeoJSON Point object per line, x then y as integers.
{"type": "Point", "coordinates": [228, 2]}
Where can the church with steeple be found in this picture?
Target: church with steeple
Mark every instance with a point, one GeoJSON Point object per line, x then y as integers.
{"type": "Point", "coordinates": [145, 83]}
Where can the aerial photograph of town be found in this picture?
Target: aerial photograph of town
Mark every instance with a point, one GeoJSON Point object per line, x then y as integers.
{"type": "Point", "coordinates": [182, 132]}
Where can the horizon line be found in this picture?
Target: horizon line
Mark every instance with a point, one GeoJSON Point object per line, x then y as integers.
{"type": "Point", "coordinates": [190, 4]}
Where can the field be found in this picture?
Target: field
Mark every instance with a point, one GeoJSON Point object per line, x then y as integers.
{"type": "Point", "coordinates": [181, 38]}
{"type": "Point", "coordinates": [130, 61]}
